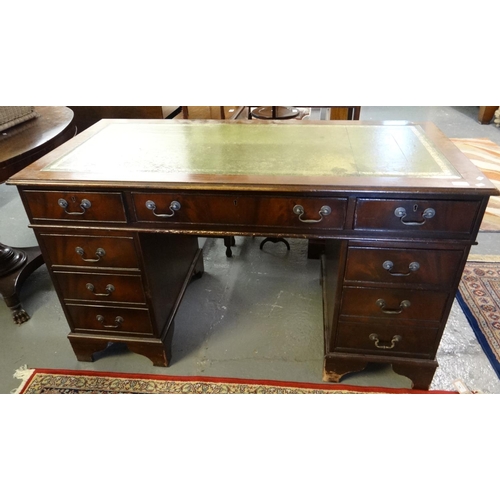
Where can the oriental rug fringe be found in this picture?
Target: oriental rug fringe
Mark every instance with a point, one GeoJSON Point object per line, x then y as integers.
{"type": "Point", "coordinates": [479, 296]}
{"type": "Point", "coordinates": [49, 381]}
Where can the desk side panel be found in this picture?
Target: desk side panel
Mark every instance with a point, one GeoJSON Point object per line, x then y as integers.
{"type": "Point", "coordinates": [167, 264]}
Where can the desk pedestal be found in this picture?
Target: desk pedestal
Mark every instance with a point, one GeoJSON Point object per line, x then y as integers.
{"type": "Point", "coordinates": [120, 286]}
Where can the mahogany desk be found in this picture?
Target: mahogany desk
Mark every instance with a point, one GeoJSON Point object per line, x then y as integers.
{"type": "Point", "coordinates": [117, 211]}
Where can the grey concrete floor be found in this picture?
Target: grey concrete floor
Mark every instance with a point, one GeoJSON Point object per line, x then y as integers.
{"type": "Point", "coordinates": [256, 315]}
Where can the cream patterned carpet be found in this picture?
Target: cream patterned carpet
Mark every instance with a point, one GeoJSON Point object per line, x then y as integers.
{"type": "Point", "coordinates": [485, 154]}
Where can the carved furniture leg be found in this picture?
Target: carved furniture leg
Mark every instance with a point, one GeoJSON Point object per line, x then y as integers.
{"type": "Point", "coordinates": [85, 348]}
{"type": "Point", "coordinates": [156, 350]}
{"type": "Point", "coordinates": [335, 367]}
{"type": "Point", "coordinates": [16, 264]}
{"type": "Point", "coordinates": [229, 242]}
{"type": "Point", "coordinates": [419, 371]}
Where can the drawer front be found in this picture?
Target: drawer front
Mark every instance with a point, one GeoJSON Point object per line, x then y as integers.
{"type": "Point", "coordinates": [100, 287]}
{"type": "Point", "coordinates": [112, 320]}
{"type": "Point", "coordinates": [68, 205]}
{"type": "Point", "coordinates": [416, 215]}
{"type": "Point", "coordinates": [401, 266]}
{"type": "Point", "coordinates": [91, 251]}
{"type": "Point", "coordinates": [237, 209]}
{"type": "Point", "coordinates": [385, 339]}
{"type": "Point", "coordinates": [393, 303]}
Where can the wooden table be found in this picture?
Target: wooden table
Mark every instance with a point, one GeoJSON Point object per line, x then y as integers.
{"type": "Point", "coordinates": [19, 146]}
{"type": "Point", "coordinates": [117, 211]}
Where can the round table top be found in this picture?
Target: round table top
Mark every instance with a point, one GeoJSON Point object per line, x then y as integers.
{"type": "Point", "coordinates": [23, 144]}
{"type": "Point", "coordinates": [280, 112]}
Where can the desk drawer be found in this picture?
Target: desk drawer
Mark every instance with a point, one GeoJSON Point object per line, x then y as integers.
{"type": "Point", "coordinates": [77, 206]}
{"type": "Point", "coordinates": [385, 339]}
{"type": "Point", "coordinates": [273, 211]}
{"type": "Point", "coordinates": [416, 215]}
{"type": "Point", "coordinates": [393, 303]}
{"type": "Point", "coordinates": [112, 320]}
{"type": "Point", "coordinates": [403, 266]}
{"type": "Point", "coordinates": [100, 287]}
{"type": "Point", "coordinates": [90, 251]}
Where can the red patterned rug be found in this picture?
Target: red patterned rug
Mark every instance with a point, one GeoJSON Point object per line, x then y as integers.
{"type": "Point", "coordinates": [479, 297]}
{"type": "Point", "coordinates": [48, 381]}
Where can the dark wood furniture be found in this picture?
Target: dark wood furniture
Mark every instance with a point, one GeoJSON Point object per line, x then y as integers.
{"type": "Point", "coordinates": [86, 116]}
{"type": "Point", "coordinates": [486, 114]}
{"type": "Point", "coordinates": [345, 112]}
{"type": "Point", "coordinates": [117, 211]}
{"type": "Point", "coordinates": [19, 146]}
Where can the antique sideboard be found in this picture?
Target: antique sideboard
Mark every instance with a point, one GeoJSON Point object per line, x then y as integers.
{"type": "Point", "coordinates": [117, 212]}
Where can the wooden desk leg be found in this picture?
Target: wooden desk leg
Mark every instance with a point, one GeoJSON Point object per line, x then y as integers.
{"type": "Point", "coordinates": [16, 264]}
{"type": "Point", "coordinates": [158, 351]}
{"type": "Point", "coordinates": [419, 371]}
{"type": "Point", "coordinates": [335, 367]}
{"type": "Point", "coordinates": [486, 114]}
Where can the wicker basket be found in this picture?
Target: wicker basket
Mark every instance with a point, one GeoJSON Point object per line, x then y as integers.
{"type": "Point", "coordinates": [14, 115]}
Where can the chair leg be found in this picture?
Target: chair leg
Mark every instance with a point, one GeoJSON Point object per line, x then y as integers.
{"type": "Point", "coordinates": [275, 240]}
{"type": "Point", "coordinates": [229, 242]}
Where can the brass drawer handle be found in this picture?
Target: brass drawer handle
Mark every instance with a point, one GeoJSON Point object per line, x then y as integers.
{"type": "Point", "coordinates": [84, 205]}
{"type": "Point", "coordinates": [118, 321]}
{"type": "Point", "coordinates": [99, 253]}
{"type": "Point", "coordinates": [388, 265]}
{"type": "Point", "coordinates": [428, 213]}
{"type": "Point", "coordinates": [374, 337]}
{"type": "Point", "coordinates": [174, 206]}
{"type": "Point", "coordinates": [323, 211]}
{"type": "Point", "coordinates": [109, 290]}
{"type": "Point", "coordinates": [404, 305]}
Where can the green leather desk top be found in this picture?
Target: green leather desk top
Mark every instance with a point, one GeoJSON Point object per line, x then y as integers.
{"type": "Point", "coordinates": [258, 149]}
